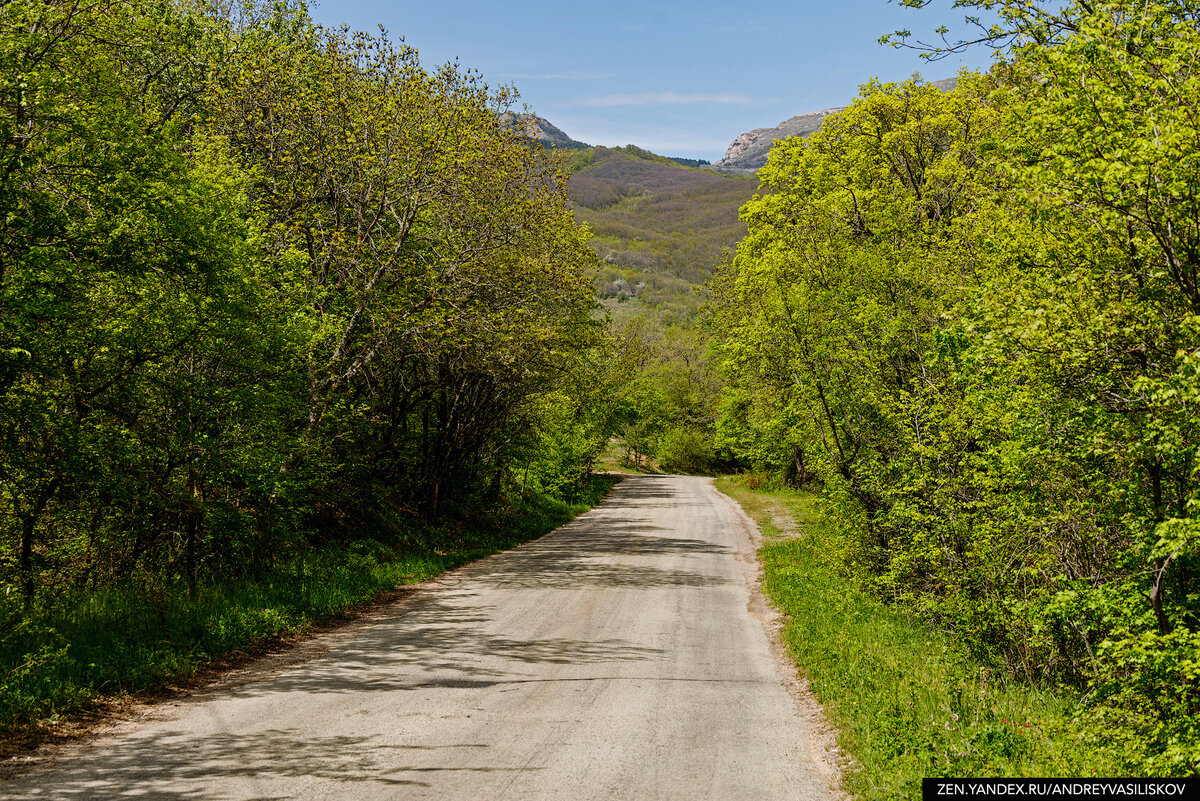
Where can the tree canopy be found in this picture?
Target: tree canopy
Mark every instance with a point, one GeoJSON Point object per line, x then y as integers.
{"type": "Point", "coordinates": [262, 284]}
{"type": "Point", "coordinates": [972, 318]}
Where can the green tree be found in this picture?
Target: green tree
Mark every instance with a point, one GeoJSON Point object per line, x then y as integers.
{"type": "Point", "coordinates": [1105, 319]}
{"type": "Point", "coordinates": [434, 245]}
{"type": "Point", "coordinates": [853, 261]}
{"type": "Point", "coordinates": [1004, 411]}
{"type": "Point", "coordinates": [259, 279]}
{"type": "Point", "coordinates": [113, 241]}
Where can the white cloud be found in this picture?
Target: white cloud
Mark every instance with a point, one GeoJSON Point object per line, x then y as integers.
{"type": "Point", "coordinates": [659, 99]}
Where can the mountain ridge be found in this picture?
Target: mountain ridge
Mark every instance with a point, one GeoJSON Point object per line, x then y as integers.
{"type": "Point", "coordinates": [746, 154]}
{"type": "Point", "coordinates": [748, 151]}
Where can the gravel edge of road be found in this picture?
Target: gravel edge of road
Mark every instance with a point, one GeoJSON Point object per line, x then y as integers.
{"type": "Point", "coordinates": [823, 747]}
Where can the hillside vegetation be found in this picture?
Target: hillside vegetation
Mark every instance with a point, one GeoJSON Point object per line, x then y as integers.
{"type": "Point", "coordinates": [659, 227]}
{"type": "Point", "coordinates": [907, 699]}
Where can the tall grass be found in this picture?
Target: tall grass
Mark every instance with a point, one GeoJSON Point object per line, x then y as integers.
{"type": "Point", "coordinates": [125, 640]}
{"type": "Point", "coordinates": [907, 702]}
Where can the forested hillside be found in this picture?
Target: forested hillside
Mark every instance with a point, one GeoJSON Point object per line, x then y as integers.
{"type": "Point", "coordinates": [972, 319]}
{"type": "Point", "coordinates": [659, 227]}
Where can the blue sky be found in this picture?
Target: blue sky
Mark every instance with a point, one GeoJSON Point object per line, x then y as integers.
{"type": "Point", "coordinates": [679, 78]}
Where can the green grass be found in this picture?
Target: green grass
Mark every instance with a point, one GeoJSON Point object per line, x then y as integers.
{"type": "Point", "coordinates": [113, 642]}
{"type": "Point", "coordinates": [906, 701]}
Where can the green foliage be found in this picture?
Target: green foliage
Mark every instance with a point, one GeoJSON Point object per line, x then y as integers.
{"type": "Point", "coordinates": [566, 431]}
{"type": "Point", "coordinates": [265, 289]}
{"type": "Point", "coordinates": [666, 396]}
{"type": "Point", "coordinates": [691, 162]}
{"type": "Point", "coordinates": [436, 245]}
{"type": "Point", "coordinates": [686, 450]}
{"type": "Point", "coordinates": [974, 316]}
{"type": "Point", "coordinates": [658, 228]}
{"type": "Point", "coordinates": [829, 308]}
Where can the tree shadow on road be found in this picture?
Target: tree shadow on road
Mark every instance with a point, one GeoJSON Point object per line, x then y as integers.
{"type": "Point", "coordinates": [604, 553]}
{"type": "Point", "coordinates": [446, 639]}
{"type": "Point", "coordinates": [645, 492]}
{"type": "Point", "coordinates": [441, 639]}
{"type": "Point", "coordinates": [178, 766]}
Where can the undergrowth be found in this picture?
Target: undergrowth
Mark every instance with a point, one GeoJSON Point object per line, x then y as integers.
{"type": "Point", "coordinates": [906, 700]}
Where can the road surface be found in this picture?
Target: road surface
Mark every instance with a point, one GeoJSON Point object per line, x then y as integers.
{"type": "Point", "coordinates": [621, 657]}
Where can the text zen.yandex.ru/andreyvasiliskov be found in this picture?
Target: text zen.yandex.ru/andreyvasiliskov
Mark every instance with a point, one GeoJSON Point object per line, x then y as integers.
{"type": "Point", "coordinates": [1053, 789]}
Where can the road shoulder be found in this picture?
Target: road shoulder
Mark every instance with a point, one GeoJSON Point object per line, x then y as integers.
{"type": "Point", "coordinates": [822, 740]}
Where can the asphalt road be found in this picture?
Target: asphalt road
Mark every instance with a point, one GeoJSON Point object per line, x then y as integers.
{"type": "Point", "coordinates": [624, 656]}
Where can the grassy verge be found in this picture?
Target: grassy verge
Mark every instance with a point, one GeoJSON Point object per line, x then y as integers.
{"type": "Point", "coordinates": [906, 701]}
{"type": "Point", "coordinates": [116, 642]}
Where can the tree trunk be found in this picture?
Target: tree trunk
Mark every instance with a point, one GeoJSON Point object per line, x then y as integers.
{"type": "Point", "coordinates": [190, 534]}
{"type": "Point", "coordinates": [28, 527]}
{"type": "Point", "coordinates": [25, 563]}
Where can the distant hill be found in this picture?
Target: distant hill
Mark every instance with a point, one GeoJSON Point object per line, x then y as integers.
{"type": "Point", "coordinates": [660, 224]}
{"type": "Point", "coordinates": [748, 152]}
{"type": "Point", "coordinates": [542, 130]}
{"type": "Point", "coordinates": [660, 227]}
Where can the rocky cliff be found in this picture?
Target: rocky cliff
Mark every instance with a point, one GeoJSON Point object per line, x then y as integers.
{"type": "Point", "coordinates": [748, 151]}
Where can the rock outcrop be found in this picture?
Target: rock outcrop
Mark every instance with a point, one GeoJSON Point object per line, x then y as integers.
{"type": "Point", "coordinates": [540, 129]}
{"type": "Point", "coordinates": [748, 152]}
